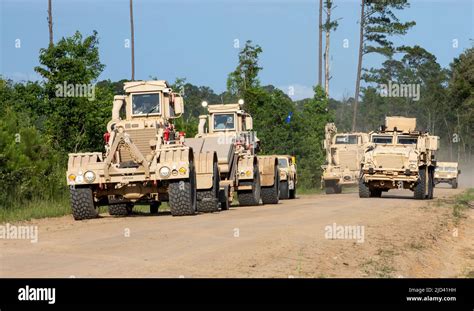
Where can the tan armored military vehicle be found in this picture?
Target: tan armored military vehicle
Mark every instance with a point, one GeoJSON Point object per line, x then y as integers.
{"type": "Point", "coordinates": [227, 129]}
{"type": "Point", "coordinates": [145, 159]}
{"type": "Point", "coordinates": [447, 172]}
{"type": "Point", "coordinates": [288, 177]}
{"type": "Point", "coordinates": [398, 156]}
{"type": "Point", "coordinates": [344, 151]}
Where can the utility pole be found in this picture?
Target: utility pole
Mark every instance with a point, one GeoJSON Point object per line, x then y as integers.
{"type": "Point", "coordinates": [359, 64]}
{"type": "Point", "coordinates": [133, 40]}
{"type": "Point", "coordinates": [320, 56]}
{"type": "Point", "coordinates": [50, 22]}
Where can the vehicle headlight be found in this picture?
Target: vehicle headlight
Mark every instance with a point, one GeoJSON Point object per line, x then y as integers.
{"type": "Point", "coordinates": [72, 178]}
{"type": "Point", "coordinates": [165, 171]}
{"type": "Point", "coordinates": [89, 176]}
{"type": "Point", "coordinates": [79, 179]}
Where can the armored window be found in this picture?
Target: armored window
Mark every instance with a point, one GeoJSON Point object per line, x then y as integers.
{"type": "Point", "coordinates": [382, 139]}
{"type": "Point", "coordinates": [346, 139]}
{"type": "Point", "coordinates": [224, 121]}
{"type": "Point", "coordinates": [407, 140]}
{"type": "Point", "coordinates": [144, 104]}
{"type": "Point", "coordinates": [283, 163]}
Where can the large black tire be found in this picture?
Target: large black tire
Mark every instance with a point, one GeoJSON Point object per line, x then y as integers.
{"type": "Point", "coordinates": [364, 190]}
{"type": "Point", "coordinates": [251, 197]}
{"type": "Point", "coordinates": [338, 189]}
{"type": "Point", "coordinates": [182, 195]}
{"type": "Point", "coordinates": [420, 188]}
{"type": "Point", "coordinates": [431, 183]}
{"type": "Point", "coordinates": [330, 190]}
{"type": "Point", "coordinates": [293, 193]}
{"type": "Point", "coordinates": [82, 204]}
{"type": "Point", "coordinates": [271, 195]}
{"type": "Point", "coordinates": [154, 206]}
{"type": "Point", "coordinates": [224, 198]}
{"type": "Point", "coordinates": [454, 184]}
{"type": "Point", "coordinates": [208, 200]}
{"type": "Point", "coordinates": [284, 190]}
{"type": "Point", "coordinates": [121, 209]}
{"type": "Point", "coordinates": [375, 193]}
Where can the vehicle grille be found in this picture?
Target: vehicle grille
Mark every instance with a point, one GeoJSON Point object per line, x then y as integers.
{"type": "Point", "coordinates": [141, 138]}
{"type": "Point", "coordinates": [348, 159]}
{"type": "Point", "coordinates": [389, 161]}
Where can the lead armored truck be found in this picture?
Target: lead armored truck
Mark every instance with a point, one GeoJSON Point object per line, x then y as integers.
{"type": "Point", "coordinates": [145, 159]}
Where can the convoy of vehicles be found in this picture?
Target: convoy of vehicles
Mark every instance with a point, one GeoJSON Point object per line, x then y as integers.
{"type": "Point", "coordinates": [399, 156]}
{"type": "Point", "coordinates": [344, 151]}
{"type": "Point", "coordinates": [147, 161]}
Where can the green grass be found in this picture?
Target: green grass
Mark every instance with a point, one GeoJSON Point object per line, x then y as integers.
{"type": "Point", "coordinates": [35, 209]}
{"type": "Point", "coordinates": [309, 191]}
{"type": "Point", "coordinates": [461, 203]}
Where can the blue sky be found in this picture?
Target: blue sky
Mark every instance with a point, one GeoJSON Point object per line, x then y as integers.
{"type": "Point", "coordinates": [195, 39]}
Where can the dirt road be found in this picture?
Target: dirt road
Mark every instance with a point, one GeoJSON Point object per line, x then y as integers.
{"type": "Point", "coordinates": [392, 236]}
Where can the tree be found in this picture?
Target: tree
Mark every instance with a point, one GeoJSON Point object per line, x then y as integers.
{"type": "Point", "coordinates": [377, 22]}
{"type": "Point", "coordinates": [71, 65]}
{"type": "Point", "coordinates": [245, 76]}
{"type": "Point", "coordinates": [310, 153]}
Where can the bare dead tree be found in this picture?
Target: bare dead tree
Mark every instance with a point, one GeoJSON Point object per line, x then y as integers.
{"type": "Point", "coordinates": [132, 39]}
{"type": "Point", "coordinates": [320, 55]}
{"type": "Point", "coordinates": [50, 22]}
{"type": "Point", "coordinates": [359, 65]}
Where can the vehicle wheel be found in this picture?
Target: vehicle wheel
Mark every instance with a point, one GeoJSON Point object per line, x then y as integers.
{"type": "Point", "coordinates": [224, 198]}
{"type": "Point", "coordinates": [330, 190]}
{"type": "Point", "coordinates": [430, 184]}
{"type": "Point", "coordinates": [293, 193]}
{"type": "Point", "coordinates": [284, 190]}
{"type": "Point", "coordinates": [208, 200]}
{"type": "Point", "coordinates": [182, 195]}
{"type": "Point", "coordinates": [82, 204]}
{"type": "Point", "coordinates": [364, 190]}
{"type": "Point", "coordinates": [154, 206]}
{"type": "Point", "coordinates": [338, 189]}
{"type": "Point", "coordinates": [375, 193]}
{"type": "Point", "coordinates": [271, 195]}
{"type": "Point", "coordinates": [420, 188]}
{"type": "Point", "coordinates": [121, 209]}
{"type": "Point", "coordinates": [454, 184]}
{"type": "Point", "coordinates": [251, 197]}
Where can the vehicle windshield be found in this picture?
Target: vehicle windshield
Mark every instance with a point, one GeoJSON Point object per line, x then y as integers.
{"type": "Point", "coordinates": [377, 139]}
{"type": "Point", "coordinates": [283, 163]}
{"type": "Point", "coordinates": [445, 169]}
{"type": "Point", "coordinates": [346, 139]}
{"type": "Point", "coordinates": [224, 121]}
{"type": "Point", "coordinates": [143, 104]}
{"type": "Point", "coordinates": [407, 140]}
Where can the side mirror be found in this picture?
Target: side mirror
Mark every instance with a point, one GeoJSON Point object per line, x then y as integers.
{"type": "Point", "coordinates": [178, 105]}
{"type": "Point", "coordinates": [248, 123]}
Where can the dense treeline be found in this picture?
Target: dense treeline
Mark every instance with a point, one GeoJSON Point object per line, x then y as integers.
{"type": "Point", "coordinates": [39, 125]}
